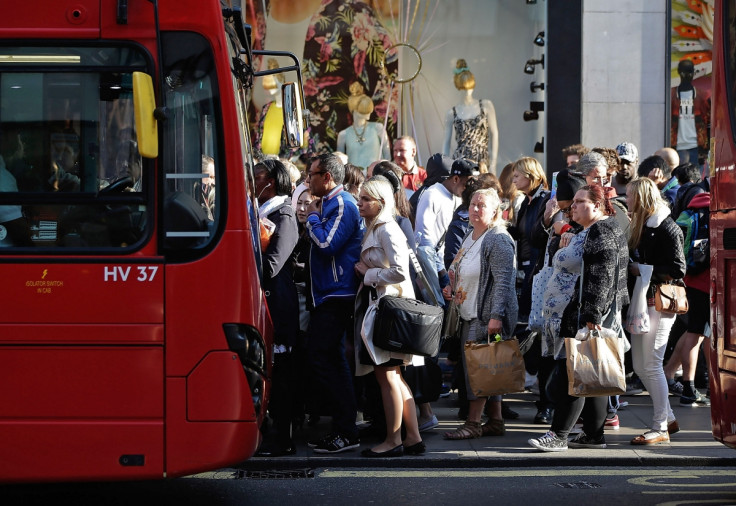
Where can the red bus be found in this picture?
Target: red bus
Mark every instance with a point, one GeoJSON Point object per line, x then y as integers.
{"type": "Point", "coordinates": [722, 348]}
{"type": "Point", "coordinates": [135, 342]}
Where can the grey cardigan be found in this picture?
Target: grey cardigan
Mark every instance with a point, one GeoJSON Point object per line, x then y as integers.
{"type": "Point", "coordinates": [497, 287]}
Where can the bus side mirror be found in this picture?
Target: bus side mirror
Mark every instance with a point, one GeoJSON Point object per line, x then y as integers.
{"type": "Point", "coordinates": [293, 118]}
{"type": "Point", "coordinates": [144, 105]}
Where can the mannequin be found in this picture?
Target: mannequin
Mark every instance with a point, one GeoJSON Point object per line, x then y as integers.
{"type": "Point", "coordinates": [364, 142]}
{"type": "Point", "coordinates": [272, 124]}
{"type": "Point", "coordinates": [690, 117]}
{"type": "Point", "coordinates": [474, 124]}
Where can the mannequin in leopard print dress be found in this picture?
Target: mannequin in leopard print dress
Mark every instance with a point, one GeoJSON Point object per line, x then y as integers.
{"type": "Point", "coordinates": [474, 124]}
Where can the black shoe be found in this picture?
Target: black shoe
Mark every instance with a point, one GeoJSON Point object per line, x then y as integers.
{"type": "Point", "coordinates": [339, 443]}
{"type": "Point", "coordinates": [314, 443]}
{"type": "Point", "coordinates": [393, 452]}
{"type": "Point", "coordinates": [276, 451]}
{"type": "Point", "coordinates": [543, 416]}
{"type": "Point", "coordinates": [507, 413]}
{"type": "Point", "coordinates": [416, 449]}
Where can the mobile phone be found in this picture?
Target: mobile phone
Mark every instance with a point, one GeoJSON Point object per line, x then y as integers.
{"type": "Point", "coordinates": [554, 185]}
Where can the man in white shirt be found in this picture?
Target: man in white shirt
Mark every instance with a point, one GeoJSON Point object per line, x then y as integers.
{"type": "Point", "coordinates": [434, 213]}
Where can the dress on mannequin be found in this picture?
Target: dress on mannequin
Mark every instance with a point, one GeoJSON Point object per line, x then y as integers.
{"type": "Point", "coordinates": [473, 135]}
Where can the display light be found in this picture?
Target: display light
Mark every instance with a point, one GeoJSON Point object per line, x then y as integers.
{"type": "Point", "coordinates": [539, 39]}
{"type": "Point", "coordinates": [533, 114]}
{"type": "Point", "coordinates": [534, 86]}
{"type": "Point", "coordinates": [529, 66]}
{"type": "Point", "coordinates": [539, 146]}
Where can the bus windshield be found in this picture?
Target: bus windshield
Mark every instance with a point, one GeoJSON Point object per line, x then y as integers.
{"type": "Point", "coordinates": [71, 175]}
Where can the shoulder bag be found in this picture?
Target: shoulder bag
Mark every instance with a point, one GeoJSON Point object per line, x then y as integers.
{"type": "Point", "coordinates": [405, 325]}
{"type": "Point", "coordinates": [670, 298]}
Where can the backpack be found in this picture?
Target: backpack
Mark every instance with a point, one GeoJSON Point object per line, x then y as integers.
{"type": "Point", "coordinates": [695, 224]}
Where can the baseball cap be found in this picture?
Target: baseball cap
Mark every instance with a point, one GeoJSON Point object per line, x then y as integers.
{"type": "Point", "coordinates": [627, 151]}
{"type": "Point", "coordinates": [438, 167]}
{"type": "Point", "coordinates": [462, 168]}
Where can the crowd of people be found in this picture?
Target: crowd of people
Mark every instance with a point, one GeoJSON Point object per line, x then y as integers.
{"type": "Point", "coordinates": [518, 255]}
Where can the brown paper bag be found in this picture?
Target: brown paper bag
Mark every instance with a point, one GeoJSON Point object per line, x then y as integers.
{"type": "Point", "coordinates": [494, 368]}
{"type": "Point", "coordinates": [595, 366]}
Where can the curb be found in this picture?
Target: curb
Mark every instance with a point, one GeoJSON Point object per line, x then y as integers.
{"type": "Point", "coordinates": [262, 464]}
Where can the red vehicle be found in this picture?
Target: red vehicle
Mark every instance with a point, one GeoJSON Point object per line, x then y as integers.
{"type": "Point", "coordinates": [722, 349]}
{"type": "Point", "coordinates": [135, 341]}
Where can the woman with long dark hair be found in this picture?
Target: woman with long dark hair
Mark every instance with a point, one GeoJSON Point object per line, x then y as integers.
{"type": "Point", "coordinates": [273, 187]}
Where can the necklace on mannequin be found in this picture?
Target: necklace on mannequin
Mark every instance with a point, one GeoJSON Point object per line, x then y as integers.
{"type": "Point", "coordinates": [360, 135]}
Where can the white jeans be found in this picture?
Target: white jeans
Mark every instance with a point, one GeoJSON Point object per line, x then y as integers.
{"type": "Point", "coordinates": [647, 355]}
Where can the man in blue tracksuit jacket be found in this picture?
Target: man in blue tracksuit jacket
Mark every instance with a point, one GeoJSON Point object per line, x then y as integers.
{"type": "Point", "coordinates": [335, 230]}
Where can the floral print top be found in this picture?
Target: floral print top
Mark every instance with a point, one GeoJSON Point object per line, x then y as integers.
{"type": "Point", "coordinates": [560, 288]}
{"type": "Point", "coordinates": [345, 43]}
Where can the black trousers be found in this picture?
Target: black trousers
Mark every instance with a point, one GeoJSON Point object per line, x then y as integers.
{"type": "Point", "coordinates": [568, 408]}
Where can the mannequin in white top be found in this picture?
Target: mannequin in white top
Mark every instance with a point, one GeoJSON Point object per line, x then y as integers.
{"type": "Point", "coordinates": [364, 142]}
{"type": "Point", "coordinates": [474, 124]}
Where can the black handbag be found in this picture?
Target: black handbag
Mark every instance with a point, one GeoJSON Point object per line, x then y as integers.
{"type": "Point", "coordinates": [406, 325]}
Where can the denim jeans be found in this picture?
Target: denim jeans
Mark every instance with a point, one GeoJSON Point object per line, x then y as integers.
{"type": "Point", "coordinates": [329, 324]}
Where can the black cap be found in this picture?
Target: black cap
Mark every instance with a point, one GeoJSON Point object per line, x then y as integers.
{"type": "Point", "coordinates": [568, 185]}
{"type": "Point", "coordinates": [438, 167]}
{"type": "Point", "coordinates": [462, 168]}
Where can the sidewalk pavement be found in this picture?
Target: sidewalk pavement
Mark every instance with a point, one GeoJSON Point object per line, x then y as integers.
{"type": "Point", "coordinates": [692, 446]}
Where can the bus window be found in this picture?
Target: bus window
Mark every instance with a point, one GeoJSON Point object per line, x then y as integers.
{"type": "Point", "coordinates": [64, 119]}
{"type": "Point", "coordinates": [192, 187]}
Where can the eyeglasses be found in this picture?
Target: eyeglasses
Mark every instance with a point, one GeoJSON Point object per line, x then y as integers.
{"type": "Point", "coordinates": [310, 174]}
{"type": "Point", "coordinates": [567, 210]}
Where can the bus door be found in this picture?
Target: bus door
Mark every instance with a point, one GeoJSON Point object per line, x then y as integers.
{"type": "Point", "coordinates": [81, 310]}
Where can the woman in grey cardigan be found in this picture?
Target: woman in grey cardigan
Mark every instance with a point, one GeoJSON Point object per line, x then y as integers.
{"type": "Point", "coordinates": [483, 276]}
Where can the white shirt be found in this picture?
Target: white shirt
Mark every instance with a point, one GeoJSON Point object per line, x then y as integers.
{"type": "Point", "coordinates": [467, 276]}
{"type": "Point", "coordinates": [687, 135]}
{"type": "Point", "coordinates": [434, 214]}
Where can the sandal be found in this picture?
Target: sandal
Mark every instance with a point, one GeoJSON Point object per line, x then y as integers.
{"type": "Point", "coordinates": [468, 430]}
{"type": "Point", "coordinates": [493, 427]}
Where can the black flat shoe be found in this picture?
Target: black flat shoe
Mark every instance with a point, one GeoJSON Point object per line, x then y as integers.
{"type": "Point", "coordinates": [276, 451]}
{"type": "Point", "coordinates": [393, 452]}
{"type": "Point", "coordinates": [416, 449]}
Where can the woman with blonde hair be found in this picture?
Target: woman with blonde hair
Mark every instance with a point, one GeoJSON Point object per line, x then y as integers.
{"type": "Point", "coordinates": [510, 196]}
{"type": "Point", "coordinates": [483, 276]}
{"type": "Point", "coordinates": [530, 179]}
{"type": "Point", "coordinates": [384, 269]}
{"type": "Point", "coordinates": [655, 240]}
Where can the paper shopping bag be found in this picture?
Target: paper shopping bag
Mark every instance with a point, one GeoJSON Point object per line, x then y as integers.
{"type": "Point", "coordinates": [595, 366]}
{"type": "Point", "coordinates": [494, 368]}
